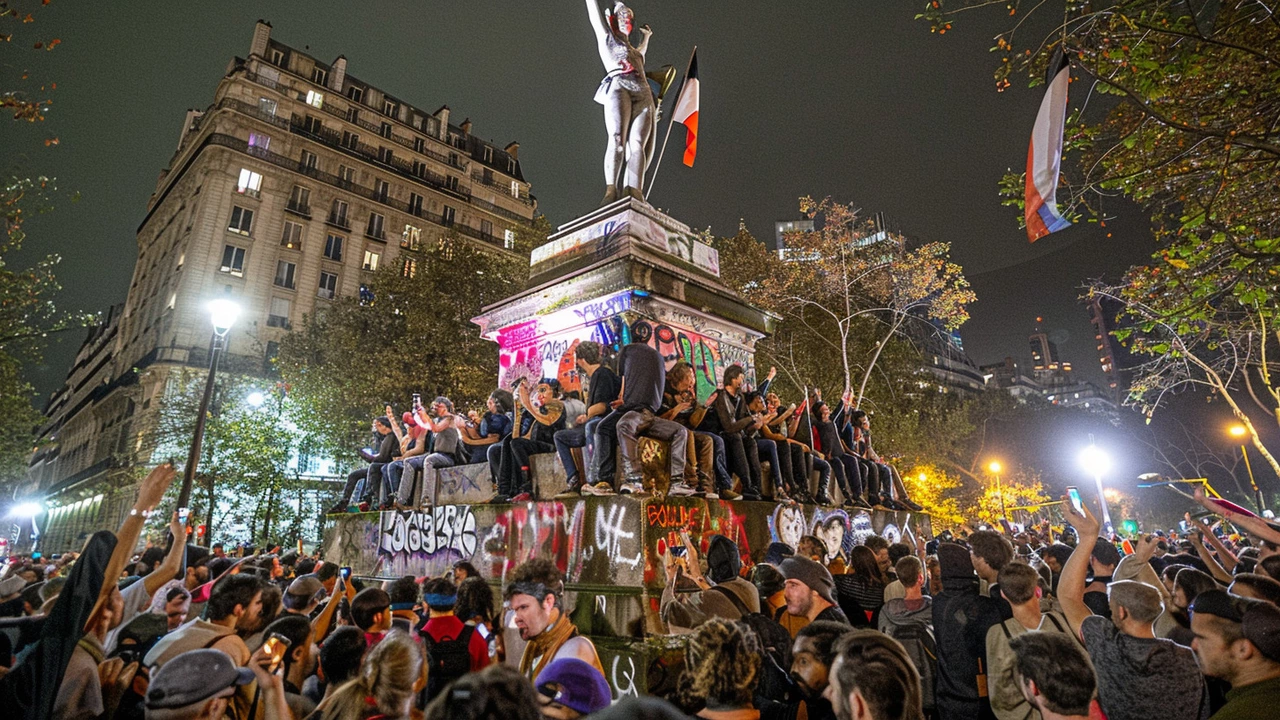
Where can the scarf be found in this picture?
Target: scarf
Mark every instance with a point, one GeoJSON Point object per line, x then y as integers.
{"type": "Point", "coordinates": [545, 646]}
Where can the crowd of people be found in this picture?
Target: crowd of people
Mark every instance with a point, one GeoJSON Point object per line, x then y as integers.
{"type": "Point", "coordinates": [726, 446]}
{"type": "Point", "coordinates": [978, 625]}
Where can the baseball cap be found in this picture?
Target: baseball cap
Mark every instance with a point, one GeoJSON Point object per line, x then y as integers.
{"type": "Point", "coordinates": [195, 676]}
{"type": "Point", "coordinates": [1259, 620]}
{"type": "Point", "coordinates": [576, 685]}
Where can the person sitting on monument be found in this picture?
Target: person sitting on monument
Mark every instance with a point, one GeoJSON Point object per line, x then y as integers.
{"type": "Point", "coordinates": [680, 405]}
{"type": "Point", "coordinates": [446, 449]}
{"type": "Point", "coordinates": [387, 450]}
{"type": "Point", "coordinates": [535, 593]}
{"type": "Point", "coordinates": [544, 417]}
{"type": "Point", "coordinates": [774, 445]}
{"type": "Point", "coordinates": [731, 420]}
{"type": "Point", "coordinates": [603, 386]}
{"type": "Point", "coordinates": [844, 466]}
{"type": "Point", "coordinates": [888, 480]}
{"type": "Point", "coordinates": [800, 430]}
{"type": "Point", "coordinates": [414, 441]}
{"type": "Point", "coordinates": [480, 433]}
{"type": "Point", "coordinates": [644, 375]}
{"type": "Point", "coordinates": [791, 452]}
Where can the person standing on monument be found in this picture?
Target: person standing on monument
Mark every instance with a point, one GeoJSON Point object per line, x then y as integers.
{"type": "Point", "coordinates": [629, 108]}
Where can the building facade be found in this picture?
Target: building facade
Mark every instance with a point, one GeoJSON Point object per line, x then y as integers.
{"type": "Point", "coordinates": [289, 190]}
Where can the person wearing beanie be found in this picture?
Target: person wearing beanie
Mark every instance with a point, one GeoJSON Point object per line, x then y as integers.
{"type": "Point", "coordinates": [722, 592]}
{"type": "Point", "coordinates": [1238, 640]}
{"type": "Point", "coordinates": [773, 598]}
{"type": "Point", "coordinates": [809, 590]}
{"type": "Point", "coordinates": [570, 688]}
{"type": "Point", "coordinates": [962, 616]}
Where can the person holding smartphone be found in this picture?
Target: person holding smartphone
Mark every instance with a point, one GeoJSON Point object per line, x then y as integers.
{"type": "Point", "coordinates": [294, 658]}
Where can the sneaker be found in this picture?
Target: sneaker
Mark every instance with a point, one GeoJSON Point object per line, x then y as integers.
{"type": "Point", "coordinates": [751, 495]}
{"type": "Point", "coordinates": [711, 496]}
{"type": "Point", "coordinates": [574, 490]}
{"type": "Point", "coordinates": [681, 489]}
{"type": "Point", "coordinates": [632, 488]}
{"type": "Point", "coordinates": [822, 500]}
{"type": "Point", "coordinates": [499, 499]}
{"type": "Point", "coordinates": [600, 488]}
{"type": "Point", "coordinates": [728, 494]}
{"type": "Point", "coordinates": [337, 509]}
{"type": "Point", "coordinates": [523, 497]}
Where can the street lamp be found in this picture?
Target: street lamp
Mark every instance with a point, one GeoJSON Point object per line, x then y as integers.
{"type": "Point", "coordinates": [1097, 463]}
{"type": "Point", "coordinates": [256, 399]}
{"type": "Point", "coordinates": [223, 314]}
{"type": "Point", "coordinates": [1241, 432]}
{"type": "Point", "coordinates": [995, 469]}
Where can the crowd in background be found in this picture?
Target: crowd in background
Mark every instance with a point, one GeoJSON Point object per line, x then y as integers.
{"type": "Point", "coordinates": [975, 625]}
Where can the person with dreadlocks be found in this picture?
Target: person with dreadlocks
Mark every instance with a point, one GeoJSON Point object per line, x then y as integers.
{"type": "Point", "coordinates": [721, 671]}
{"type": "Point", "coordinates": [535, 593]}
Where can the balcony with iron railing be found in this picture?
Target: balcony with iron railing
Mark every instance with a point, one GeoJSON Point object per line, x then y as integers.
{"type": "Point", "coordinates": [503, 189]}
{"type": "Point", "coordinates": [299, 209]}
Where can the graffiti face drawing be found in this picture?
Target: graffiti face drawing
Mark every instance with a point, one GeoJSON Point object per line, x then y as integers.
{"type": "Point", "coordinates": [831, 532]}
{"type": "Point", "coordinates": [788, 525]}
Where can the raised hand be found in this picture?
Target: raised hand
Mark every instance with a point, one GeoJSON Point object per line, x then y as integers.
{"type": "Point", "coordinates": [1086, 524]}
{"type": "Point", "coordinates": [154, 485]}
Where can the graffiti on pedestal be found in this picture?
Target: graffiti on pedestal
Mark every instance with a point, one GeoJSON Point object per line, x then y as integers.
{"type": "Point", "coordinates": [444, 530]}
{"type": "Point", "coordinates": [668, 522]}
{"type": "Point", "coordinates": [837, 529]}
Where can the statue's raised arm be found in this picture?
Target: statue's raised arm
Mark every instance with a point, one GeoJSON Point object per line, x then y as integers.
{"type": "Point", "coordinates": [628, 102]}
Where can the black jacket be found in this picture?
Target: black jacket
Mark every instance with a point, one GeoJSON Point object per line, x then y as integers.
{"type": "Point", "coordinates": [961, 618]}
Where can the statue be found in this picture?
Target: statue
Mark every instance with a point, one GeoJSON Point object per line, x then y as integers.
{"type": "Point", "coordinates": [629, 111]}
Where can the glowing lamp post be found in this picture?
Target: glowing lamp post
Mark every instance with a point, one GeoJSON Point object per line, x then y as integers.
{"type": "Point", "coordinates": [223, 314]}
{"type": "Point", "coordinates": [1097, 463]}
{"type": "Point", "coordinates": [995, 469]}
{"type": "Point", "coordinates": [1241, 432]}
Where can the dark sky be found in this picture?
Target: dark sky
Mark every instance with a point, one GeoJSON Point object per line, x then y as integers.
{"type": "Point", "coordinates": [850, 99]}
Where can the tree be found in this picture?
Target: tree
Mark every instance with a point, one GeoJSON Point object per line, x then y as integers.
{"type": "Point", "coordinates": [412, 332]}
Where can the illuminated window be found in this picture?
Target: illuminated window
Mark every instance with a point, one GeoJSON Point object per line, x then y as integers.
{"type": "Point", "coordinates": [292, 237]}
{"type": "Point", "coordinates": [267, 105]}
{"type": "Point", "coordinates": [515, 189]}
{"type": "Point", "coordinates": [371, 260]}
{"type": "Point", "coordinates": [410, 268]}
{"type": "Point", "coordinates": [250, 183]}
{"type": "Point", "coordinates": [315, 99]}
{"type": "Point", "coordinates": [411, 237]}
{"type": "Point", "coordinates": [260, 141]}
{"type": "Point", "coordinates": [508, 238]}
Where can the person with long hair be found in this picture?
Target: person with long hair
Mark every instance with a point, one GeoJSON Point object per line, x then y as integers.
{"type": "Point", "coordinates": [860, 591]}
{"type": "Point", "coordinates": [722, 667]}
{"type": "Point", "coordinates": [475, 607]}
{"type": "Point", "coordinates": [389, 678]}
{"type": "Point", "coordinates": [629, 108]}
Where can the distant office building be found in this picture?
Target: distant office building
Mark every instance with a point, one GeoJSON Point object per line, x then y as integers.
{"type": "Point", "coordinates": [289, 190]}
{"type": "Point", "coordinates": [1113, 358]}
{"type": "Point", "coordinates": [780, 231]}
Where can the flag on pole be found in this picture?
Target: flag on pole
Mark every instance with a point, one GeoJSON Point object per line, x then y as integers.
{"type": "Point", "coordinates": [686, 110]}
{"type": "Point", "coordinates": [1044, 156]}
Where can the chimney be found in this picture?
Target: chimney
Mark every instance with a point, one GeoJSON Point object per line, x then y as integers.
{"type": "Point", "coordinates": [513, 150]}
{"type": "Point", "coordinates": [443, 116]}
{"type": "Point", "coordinates": [261, 38]}
{"type": "Point", "coordinates": [338, 74]}
{"type": "Point", "coordinates": [466, 126]}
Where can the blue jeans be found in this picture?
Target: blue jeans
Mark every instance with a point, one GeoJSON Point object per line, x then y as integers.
{"type": "Point", "coordinates": [723, 480]}
{"type": "Point", "coordinates": [582, 436]}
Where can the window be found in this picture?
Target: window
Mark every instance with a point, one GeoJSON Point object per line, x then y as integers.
{"type": "Point", "coordinates": [409, 268]}
{"type": "Point", "coordinates": [419, 145]}
{"type": "Point", "coordinates": [312, 125]}
{"type": "Point", "coordinates": [511, 166]}
{"type": "Point", "coordinates": [486, 228]}
{"type": "Point", "coordinates": [411, 237]}
{"type": "Point", "coordinates": [353, 114]}
{"type": "Point", "coordinates": [278, 315]}
{"type": "Point", "coordinates": [459, 142]}
{"type": "Point", "coordinates": [415, 204]}
{"type": "Point", "coordinates": [338, 214]}
{"type": "Point", "coordinates": [300, 200]}
{"type": "Point", "coordinates": [315, 99]}
{"type": "Point", "coordinates": [371, 259]}
{"type": "Point", "coordinates": [250, 183]}
{"type": "Point", "coordinates": [328, 285]}
{"type": "Point", "coordinates": [350, 140]}
{"type": "Point", "coordinates": [277, 58]}
{"type": "Point", "coordinates": [388, 106]}
{"type": "Point", "coordinates": [260, 141]}
{"type": "Point", "coordinates": [346, 174]}
{"type": "Point", "coordinates": [292, 237]}
{"type": "Point", "coordinates": [385, 155]}
{"type": "Point", "coordinates": [447, 215]}
{"type": "Point", "coordinates": [453, 159]}
{"type": "Point", "coordinates": [333, 247]}
{"type": "Point", "coordinates": [233, 260]}
{"type": "Point", "coordinates": [381, 188]}
{"type": "Point", "coordinates": [515, 189]}
{"type": "Point", "coordinates": [309, 160]}
{"type": "Point", "coordinates": [386, 130]}
{"type": "Point", "coordinates": [419, 168]}
{"type": "Point", "coordinates": [374, 229]}
{"type": "Point", "coordinates": [285, 271]}
{"type": "Point", "coordinates": [355, 93]}
{"type": "Point", "coordinates": [488, 154]}
{"type": "Point", "coordinates": [241, 220]}
{"type": "Point", "coordinates": [451, 183]}
{"type": "Point", "coordinates": [508, 238]}
{"type": "Point", "coordinates": [267, 105]}
{"type": "Point", "coordinates": [319, 76]}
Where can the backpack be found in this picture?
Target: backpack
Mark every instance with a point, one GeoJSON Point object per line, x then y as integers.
{"type": "Point", "coordinates": [447, 660]}
{"type": "Point", "coordinates": [775, 680]}
{"type": "Point", "coordinates": [922, 648]}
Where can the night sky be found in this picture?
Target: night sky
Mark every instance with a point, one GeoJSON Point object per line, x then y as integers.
{"type": "Point", "coordinates": [850, 99]}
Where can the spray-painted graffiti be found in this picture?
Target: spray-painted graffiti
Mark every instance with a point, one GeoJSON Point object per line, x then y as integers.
{"type": "Point", "coordinates": [614, 539]}
{"type": "Point", "coordinates": [533, 530]}
{"type": "Point", "coordinates": [444, 529]}
{"type": "Point", "coordinates": [837, 529]}
{"type": "Point", "coordinates": [787, 525]}
{"type": "Point", "coordinates": [708, 356]}
{"type": "Point", "coordinates": [623, 680]}
{"type": "Point", "coordinates": [605, 307]}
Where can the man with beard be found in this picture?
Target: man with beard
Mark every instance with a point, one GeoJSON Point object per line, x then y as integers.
{"type": "Point", "coordinates": [535, 594]}
{"type": "Point", "coordinates": [812, 654]}
{"type": "Point", "coordinates": [299, 660]}
{"type": "Point", "coordinates": [235, 606]}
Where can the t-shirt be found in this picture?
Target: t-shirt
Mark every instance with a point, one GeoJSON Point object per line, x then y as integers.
{"type": "Point", "coordinates": [448, 628]}
{"type": "Point", "coordinates": [1258, 700]}
{"type": "Point", "coordinates": [1142, 678]}
{"type": "Point", "coordinates": [136, 601]}
{"type": "Point", "coordinates": [645, 373]}
{"type": "Point", "coordinates": [490, 425]}
{"type": "Point", "coordinates": [603, 387]}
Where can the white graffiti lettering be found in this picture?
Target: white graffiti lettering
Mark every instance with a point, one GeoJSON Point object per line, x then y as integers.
{"type": "Point", "coordinates": [611, 532]}
{"type": "Point", "coordinates": [448, 528]}
{"type": "Point", "coordinates": [626, 685]}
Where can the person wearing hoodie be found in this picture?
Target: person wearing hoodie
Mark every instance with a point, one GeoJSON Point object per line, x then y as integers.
{"type": "Point", "coordinates": [724, 594]}
{"type": "Point", "coordinates": [961, 618]}
{"type": "Point", "coordinates": [909, 620]}
{"type": "Point", "coordinates": [1139, 675]}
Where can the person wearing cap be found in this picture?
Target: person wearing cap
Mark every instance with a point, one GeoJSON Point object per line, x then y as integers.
{"type": "Point", "coordinates": [195, 684]}
{"type": "Point", "coordinates": [569, 688]}
{"type": "Point", "coordinates": [808, 590]}
{"type": "Point", "coordinates": [962, 616]}
{"type": "Point", "coordinates": [1238, 640]}
{"type": "Point", "coordinates": [725, 595]}
{"type": "Point", "coordinates": [1139, 674]}
{"type": "Point", "coordinates": [303, 596]}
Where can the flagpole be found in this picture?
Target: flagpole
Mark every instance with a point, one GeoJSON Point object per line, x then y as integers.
{"type": "Point", "coordinates": [670, 121]}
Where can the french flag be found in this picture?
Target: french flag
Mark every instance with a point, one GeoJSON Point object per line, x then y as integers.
{"type": "Point", "coordinates": [1044, 157]}
{"type": "Point", "coordinates": [686, 110]}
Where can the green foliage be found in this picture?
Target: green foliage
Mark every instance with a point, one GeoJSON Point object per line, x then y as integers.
{"type": "Point", "coordinates": [345, 364]}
